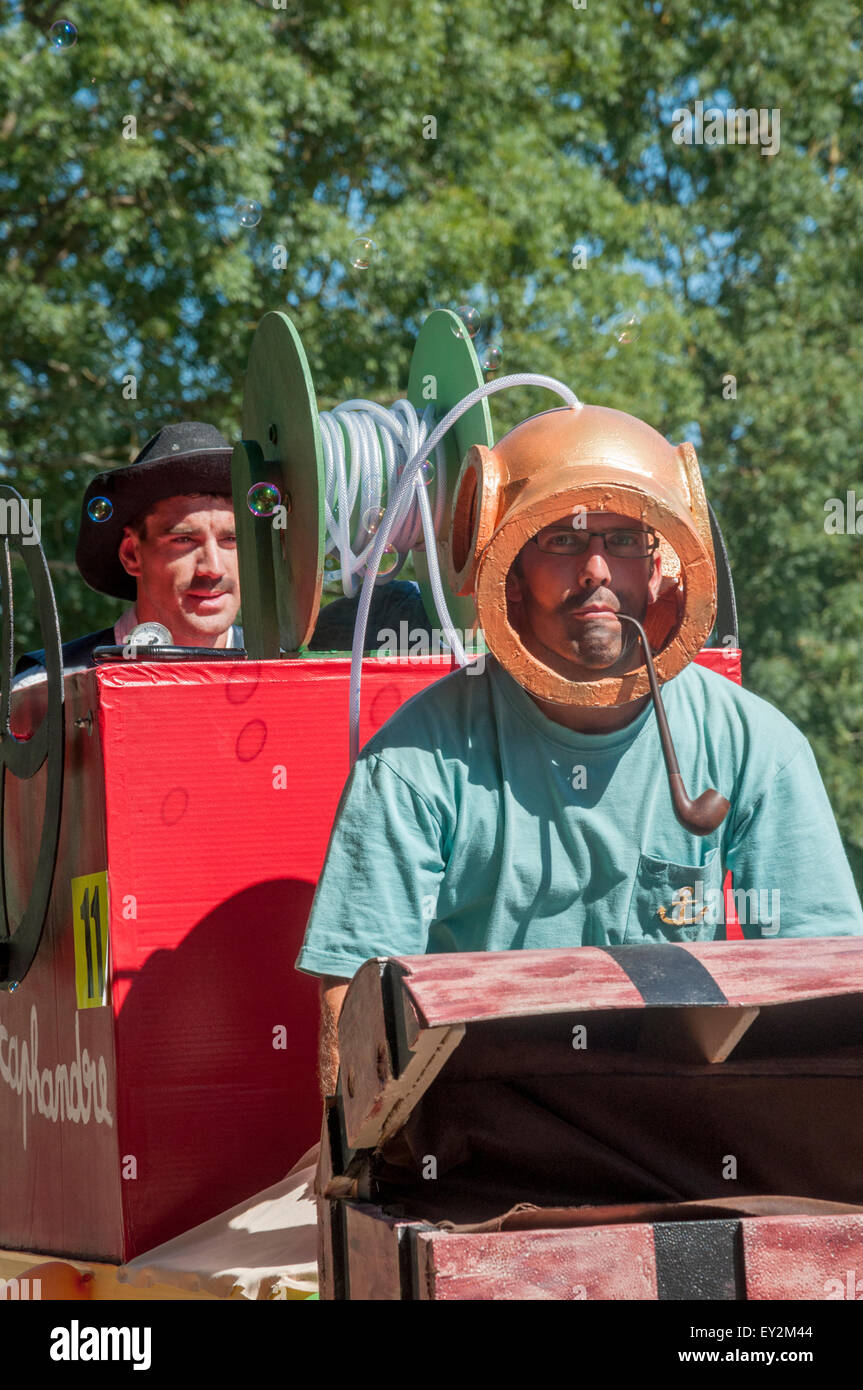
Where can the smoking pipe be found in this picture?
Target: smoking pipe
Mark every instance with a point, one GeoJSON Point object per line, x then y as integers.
{"type": "Point", "coordinates": [708, 810]}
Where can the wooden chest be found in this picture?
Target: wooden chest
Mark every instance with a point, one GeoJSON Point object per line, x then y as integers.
{"type": "Point", "coordinates": [642, 1122]}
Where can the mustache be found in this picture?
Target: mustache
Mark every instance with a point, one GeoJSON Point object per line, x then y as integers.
{"type": "Point", "coordinates": [603, 597]}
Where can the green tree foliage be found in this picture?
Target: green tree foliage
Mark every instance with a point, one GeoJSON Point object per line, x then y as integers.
{"type": "Point", "coordinates": [553, 129]}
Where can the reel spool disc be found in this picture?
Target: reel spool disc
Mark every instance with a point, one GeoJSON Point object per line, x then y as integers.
{"type": "Point", "coordinates": [255, 553]}
{"type": "Point", "coordinates": [280, 414]}
{"type": "Point", "coordinates": [444, 361]}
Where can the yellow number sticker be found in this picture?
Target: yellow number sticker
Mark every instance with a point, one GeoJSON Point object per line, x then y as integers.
{"type": "Point", "coordinates": [90, 922]}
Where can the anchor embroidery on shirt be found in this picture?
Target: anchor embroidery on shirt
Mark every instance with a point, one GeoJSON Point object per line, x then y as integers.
{"type": "Point", "coordinates": [684, 914]}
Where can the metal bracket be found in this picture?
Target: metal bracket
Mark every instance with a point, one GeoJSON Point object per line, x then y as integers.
{"type": "Point", "coordinates": [19, 942]}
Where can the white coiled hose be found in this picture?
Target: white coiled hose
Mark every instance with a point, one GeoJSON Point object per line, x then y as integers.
{"type": "Point", "coordinates": [406, 443]}
{"type": "Point", "coordinates": [380, 443]}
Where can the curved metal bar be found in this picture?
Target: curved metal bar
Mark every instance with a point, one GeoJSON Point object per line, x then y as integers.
{"type": "Point", "coordinates": [150, 651]}
{"type": "Point", "coordinates": [726, 604]}
{"type": "Point", "coordinates": [19, 942]}
{"type": "Point", "coordinates": [706, 812]}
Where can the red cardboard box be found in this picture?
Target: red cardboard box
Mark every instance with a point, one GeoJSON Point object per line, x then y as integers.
{"type": "Point", "coordinates": [198, 803]}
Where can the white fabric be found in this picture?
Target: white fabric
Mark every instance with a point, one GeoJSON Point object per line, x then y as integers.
{"type": "Point", "coordinates": [262, 1246]}
{"type": "Point", "coordinates": [124, 624]}
{"type": "Point", "coordinates": [129, 620]}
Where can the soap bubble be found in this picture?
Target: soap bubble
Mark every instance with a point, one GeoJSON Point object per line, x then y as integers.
{"type": "Point", "coordinates": [100, 509]}
{"type": "Point", "coordinates": [248, 214]}
{"type": "Point", "coordinates": [626, 327]}
{"type": "Point", "coordinates": [492, 358]}
{"type": "Point", "coordinates": [331, 562]}
{"type": "Point", "coordinates": [62, 34]}
{"type": "Point", "coordinates": [389, 560]}
{"type": "Point", "coordinates": [13, 985]}
{"type": "Point", "coordinates": [469, 322]}
{"type": "Point", "coordinates": [362, 252]}
{"type": "Point", "coordinates": [372, 519]}
{"type": "Point", "coordinates": [263, 498]}
{"type": "Point", "coordinates": [427, 472]}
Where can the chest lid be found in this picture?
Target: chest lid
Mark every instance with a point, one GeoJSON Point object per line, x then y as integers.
{"type": "Point", "coordinates": [499, 1016]}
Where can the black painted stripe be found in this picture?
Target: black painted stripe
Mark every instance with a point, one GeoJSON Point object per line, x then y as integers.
{"type": "Point", "coordinates": [700, 1260]}
{"type": "Point", "coordinates": [667, 975]}
{"type": "Point", "coordinates": [339, 1256]}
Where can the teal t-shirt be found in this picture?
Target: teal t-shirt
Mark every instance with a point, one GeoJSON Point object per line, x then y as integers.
{"type": "Point", "coordinates": [471, 822]}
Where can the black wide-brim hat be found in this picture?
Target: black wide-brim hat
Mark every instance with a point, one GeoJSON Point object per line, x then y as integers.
{"type": "Point", "coordinates": [185, 459]}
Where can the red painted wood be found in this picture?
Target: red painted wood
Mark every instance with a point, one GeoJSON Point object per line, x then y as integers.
{"type": "Point", "coordinates": [773, 972]}
{"type": "Point", "coordinates": [605, 1262]}
{"type": "Point", "coordinates": [794, 1257]}
{"type": "Point", "coordinates": [785, 1258]}
{"type": "Point", "coordinates": [475, 985]}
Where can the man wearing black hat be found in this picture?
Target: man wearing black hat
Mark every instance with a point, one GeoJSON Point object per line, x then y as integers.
{"type": "Point", "coordinates": [160, 533]}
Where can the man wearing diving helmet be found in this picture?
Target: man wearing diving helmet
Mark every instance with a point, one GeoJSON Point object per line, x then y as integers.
{"type": "Point", "coordinates": [569, 611]}
{"type": "Point", "coordinates": [536, 805]}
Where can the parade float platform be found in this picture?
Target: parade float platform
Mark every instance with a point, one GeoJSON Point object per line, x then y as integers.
{"type": "Point", "coordinates": [158, 1061]}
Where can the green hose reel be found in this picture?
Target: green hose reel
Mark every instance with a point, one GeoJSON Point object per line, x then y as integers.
{"type": "Point", "coordinates": [282, 565]}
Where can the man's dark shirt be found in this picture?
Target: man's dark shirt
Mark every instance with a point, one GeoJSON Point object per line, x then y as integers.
{"type": "Point", "coordinates": [392, 604]}
{"type": "Point", "coordinates": [76, 654]}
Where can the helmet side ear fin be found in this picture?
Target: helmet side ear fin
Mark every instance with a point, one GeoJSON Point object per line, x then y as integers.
{"type": "Point", "coordinates": [474, 515]}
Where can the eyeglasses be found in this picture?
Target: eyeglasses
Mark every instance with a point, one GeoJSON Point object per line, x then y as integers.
{"type": "Point", "coordinates": [624, 545]}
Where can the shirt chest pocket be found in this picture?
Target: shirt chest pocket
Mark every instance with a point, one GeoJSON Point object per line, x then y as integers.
{"type": "Point", "coordinates": [675, 902]}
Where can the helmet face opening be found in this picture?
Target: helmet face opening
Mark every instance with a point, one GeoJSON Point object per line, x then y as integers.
{"type": "Point", "coordinates": [661, 616]}
{"type": "Point", "coordinates": [589, 460]}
